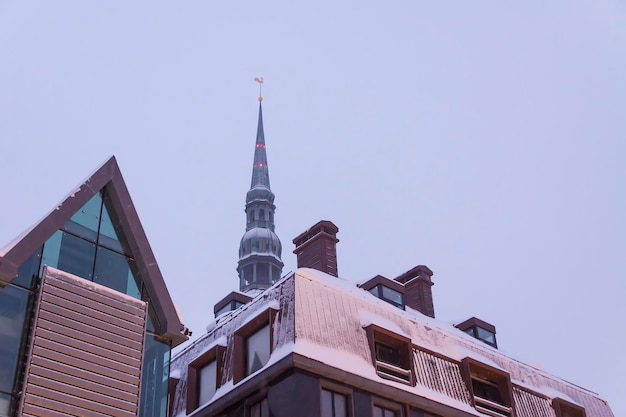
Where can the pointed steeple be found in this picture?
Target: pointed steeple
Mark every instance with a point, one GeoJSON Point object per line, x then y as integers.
{"type": "Point", "coordinates": [260, 249]}
{"type": "Point", "coordinates": [260, 171]}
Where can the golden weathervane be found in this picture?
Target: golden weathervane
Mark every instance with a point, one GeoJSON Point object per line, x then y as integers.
{"type": "Point", "coordinates": [260, 81]}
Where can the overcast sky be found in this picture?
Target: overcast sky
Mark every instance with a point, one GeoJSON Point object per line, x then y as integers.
{"type": "Point", "coordinates": [483, 139]}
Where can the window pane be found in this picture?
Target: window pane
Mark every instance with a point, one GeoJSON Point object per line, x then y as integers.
{"type": "Point", "coordinates": [258, 349]}
{"type": "Point", "coordinates": [260, 409]}
{"type": "Point", "coordinates": [13, 303]}
{"type": "Point", "coordinates": [51, 251]}
{"type": "Point", "coordinates": [378, 412]}
{"type": "Point", "coordinates": [152, 324]}
{"type": "Point", "coordinates": [154, 378]}
{"type": "Point", "coordinates": [84, 223]}
{"type": "Point", "coordinates": [486, 335]}
{"type": "Point", "coordinates": [108, 236]}
{"type": "Point", "coordinates": [5, 403]}
{"type": "Point", "coordinates": [340, 405]}
{"type": "Point", "coordinates": [29, 270]}
{"type": "Point", "coordinates": [76, 256]}
{"type": "Point", "coordinates": [387, 354]}
{"type": "Point", "coordinates": [488, 391]}
{"type": "Point", "coordinates": [392, 295]}
{"type": "Point", "coordinates": [208, 382]}
{"type": "Point", "coordinates": [327, 404]}
{"type": "Point", "coordinates": [113, 271]}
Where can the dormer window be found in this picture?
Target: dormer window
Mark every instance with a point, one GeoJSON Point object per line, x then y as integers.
{"type": "Point", "coordinates": [204, 377]}
{"type": "Point", "coordinates": [257, 349]}
{"type": "Point", "coordinates": [253, 345]}
{"type": "Point", "coordinates": [231, 302]}
{"type": "Point", "coordinates": [480, 330]}
{"type": "Point", "coordinates": [564, 408]}
{"type": "Point", "coordinates": [386, 289]}
{"type": "Point", "coordinates": [391, 354]}
{"type": "Point", "coordinates": [490, 388]}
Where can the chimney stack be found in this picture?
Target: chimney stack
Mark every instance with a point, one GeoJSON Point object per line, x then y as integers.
{"type": "Point", "coordinates": [418, 292]}
{"type": "Point", "coordinates": [317, 248]}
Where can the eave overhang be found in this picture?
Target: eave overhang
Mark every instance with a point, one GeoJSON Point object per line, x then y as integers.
{"type": "Point", "coordinates": [110, 177]}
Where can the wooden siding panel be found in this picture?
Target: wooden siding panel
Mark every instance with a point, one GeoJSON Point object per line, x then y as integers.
{"type": "Point", "coordinates": [127, 322]}
{"type": "Point", "coordinates": [134, 360]}
{"type": "Point", "coordinates": [94, 303]}
{"type": "Point", "coordinates": [96, 340]}
{"type": "Point", "coordinates": [45, 348]}
{"type": "Point", "coordinates": [65, 402]}
{"type": "Point", "coordinates": [122, 391]}
{"type": "Point", "coordinates": [86, 350]}
{"type": "Point", "coordinates": [87, 375]}
{"type": "Point", "coordinates": [101, 333]}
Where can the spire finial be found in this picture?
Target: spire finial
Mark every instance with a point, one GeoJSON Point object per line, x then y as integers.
{"type": "Point", "coordinates": [260, 81]}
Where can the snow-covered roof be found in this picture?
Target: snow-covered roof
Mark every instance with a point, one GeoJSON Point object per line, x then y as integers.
{"type": "Point", "coordinates": [323, 318]}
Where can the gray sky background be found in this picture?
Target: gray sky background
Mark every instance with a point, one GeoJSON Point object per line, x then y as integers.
{"type": "Point", "coordinates": [483, 139]}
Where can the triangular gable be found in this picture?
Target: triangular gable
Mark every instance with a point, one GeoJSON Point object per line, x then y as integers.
{"type": "Point", "coordinates": [108, 177]}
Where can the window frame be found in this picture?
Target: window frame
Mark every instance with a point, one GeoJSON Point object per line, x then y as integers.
{"type": "Point", "coordinates": [475, 370]}
{"type": "Point", "coordinates": [335, 388]}
{"type": "Point", "coordinates": [240, 337]}
{"type": "Point", "coordinates": [387, 405]}
{"type": "Point", "coordinates": [216, 353]}
{"type": "Point", "coordinates": [256, 398]}
{"type": "Point", "coordinates": [379, 335]}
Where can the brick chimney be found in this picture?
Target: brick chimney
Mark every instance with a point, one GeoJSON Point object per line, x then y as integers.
{"type": "Point", "coordinates": [418, 292]}
{"type": "Point", "coordinates": [317, 248]}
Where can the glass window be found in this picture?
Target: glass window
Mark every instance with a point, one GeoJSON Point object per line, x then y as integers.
{"type": "Point", "coordinates": [393, 356]}
{"type": "Point", "coordinates": [108, 236]}
{"type": "Point", "coordinates": [51, 251]}
{"type": "Point", "coordinates": [5, 404]}
{"type": "Point", "coordinates": [392, 295]}
{"type": "Point", "coordinates": [387, 294]}
{"type": "Point", "coordinates": [207, 382]}
{"type": "Point", "coordinates": [76, 256]}
{"type": "Point", "coordinates": [333, 404]}
{"type": "Point", "coordinates": [260, 409]}
{"type": "Point", "coordinates": [13, 304]}
{"type": "Point", "coordinates": [86, 221]}
{"type": "Point", "coordinates": [486, 336]}
{"type": "Point", "coordinates": [154, 378]}
{"type": "Point", "coordinates": [113, 270]}
{"type": "Point", "coordinates": [384, 412]}
{"type": "Point", "coordinates": [486, 390]}
{"type": "Point", "coordinates": [28, 271]}
{"type": "Point", "coordinates": [257, 350]}
{"type": "Point", "coordinates": [387, 354]}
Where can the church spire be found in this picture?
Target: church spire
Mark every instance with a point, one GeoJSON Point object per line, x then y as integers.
{"type": "Point", "coordinates": [260, 249]}
{"type": "Point", "coordinates": [260, 172]}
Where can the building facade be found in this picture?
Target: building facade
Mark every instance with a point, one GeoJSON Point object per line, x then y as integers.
{"type": "Point", "coordinates": [316, 345]}
{"type": "Point", "coordinates": [86, 320]}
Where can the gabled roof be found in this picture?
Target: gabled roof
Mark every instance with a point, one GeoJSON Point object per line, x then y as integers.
{"type": "Point", "coordinates": [108, 177]}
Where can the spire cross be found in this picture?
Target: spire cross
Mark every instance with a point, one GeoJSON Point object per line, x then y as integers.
{"type": "Point", "coordinates": [260, 81]}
